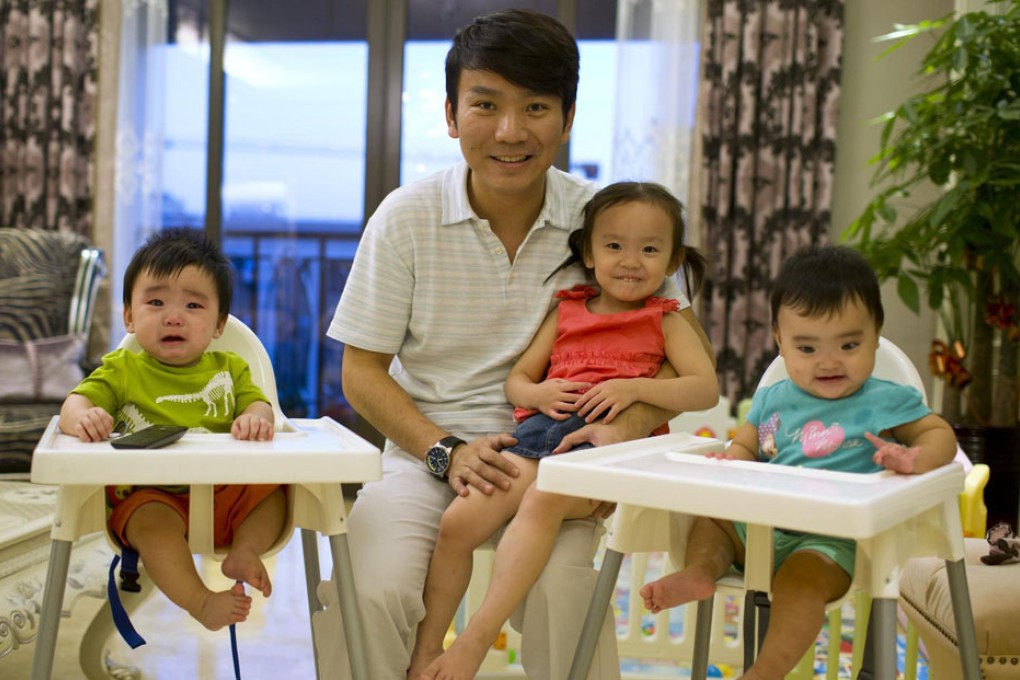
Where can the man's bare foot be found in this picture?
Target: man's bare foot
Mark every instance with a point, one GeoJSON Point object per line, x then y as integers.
{"type": "Point", "coordinates": [242, 565]}
{"type": "Point", "coordinates": [420, 660]}
{"type": "Point", "coordinates": [460, 662]}
{"type": "Point", "coordinates": [217, 610]}
{"type": "Point", "coordinates": [690, 585]}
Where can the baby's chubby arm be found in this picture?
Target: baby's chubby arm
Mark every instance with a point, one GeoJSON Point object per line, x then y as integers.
{"type": "Point", "coordinates": [80, 418]}
{"type": "Point", "coordinates": [928, 443]}
{"type": "Point", "coordinates": [255, 423]}
{"type": "Point", "coordinates": [743, 447]}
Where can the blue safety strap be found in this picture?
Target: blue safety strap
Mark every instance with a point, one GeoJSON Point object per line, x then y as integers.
{"type": "Point", "coordinates": [233, 651]}
{"type": "Point", "coordinates": [120, 615]}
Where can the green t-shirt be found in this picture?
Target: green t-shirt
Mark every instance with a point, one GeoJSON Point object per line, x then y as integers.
{"type": "Point", "coordinates": [138, 391]}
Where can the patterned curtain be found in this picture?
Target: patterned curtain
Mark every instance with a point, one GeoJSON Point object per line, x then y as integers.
{"type": "Point", "coordinates": [48, 77]}
{"type": "Point", "coordinates": [769, 97]}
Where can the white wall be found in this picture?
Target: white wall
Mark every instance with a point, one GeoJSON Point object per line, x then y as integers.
{"type": "Point", "coordinates": [870, 88]}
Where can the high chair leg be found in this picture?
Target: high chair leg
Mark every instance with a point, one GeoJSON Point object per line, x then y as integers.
{"type": "Point", "coordinates": [310, 549]}
{"type": "Point", "coordinates": [49, 617]}
{"type": "Point", "coordinates": [349, 606]}
{"type": "Point", "coordinates": [596, 613]}
{"type": "Point", "coordinates": [702, 638]}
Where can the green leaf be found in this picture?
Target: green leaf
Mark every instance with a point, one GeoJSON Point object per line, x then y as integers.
{"type": "Point", "coordinates": [909, 293]}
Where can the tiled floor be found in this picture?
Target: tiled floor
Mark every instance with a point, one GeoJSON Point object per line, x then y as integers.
{"type": "Point", "coordinates": [274, 643]}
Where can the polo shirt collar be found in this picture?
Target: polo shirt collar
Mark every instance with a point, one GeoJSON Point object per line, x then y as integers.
{"type": "Point", "coordinates": [457, 208]}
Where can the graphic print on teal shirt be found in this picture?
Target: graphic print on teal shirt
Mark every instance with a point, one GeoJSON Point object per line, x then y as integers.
{"type": "Point", "coordinates": [798, 429]}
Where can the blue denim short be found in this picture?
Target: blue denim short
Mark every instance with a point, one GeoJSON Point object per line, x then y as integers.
{"type": "Point", "coordinates": [539, 435]}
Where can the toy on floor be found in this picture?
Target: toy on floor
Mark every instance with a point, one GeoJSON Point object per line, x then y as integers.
{"type": "Point", "coordinates": [1005, 546]}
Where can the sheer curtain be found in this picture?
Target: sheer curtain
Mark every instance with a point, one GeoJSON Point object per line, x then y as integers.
{"type": "Point", "coordinates": [657, 83]}
{"type": "Point", "coordinates": [138, 134]}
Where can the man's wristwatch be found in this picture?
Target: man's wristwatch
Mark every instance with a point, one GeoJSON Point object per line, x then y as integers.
{"type": "Point", "coordinates": [437, 458]}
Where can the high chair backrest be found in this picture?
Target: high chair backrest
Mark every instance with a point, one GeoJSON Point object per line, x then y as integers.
{"type": "Point", "coordinates": [241, 340]}
{"type": "Point", "coordinates": [890, 364]}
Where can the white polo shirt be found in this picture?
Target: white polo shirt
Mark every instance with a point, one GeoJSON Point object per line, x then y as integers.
{"type": "Point", "coordinates": [433, 285]}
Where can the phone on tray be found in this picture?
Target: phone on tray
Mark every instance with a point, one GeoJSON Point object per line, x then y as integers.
{"type": "Point", "coordinates": [152, 437]}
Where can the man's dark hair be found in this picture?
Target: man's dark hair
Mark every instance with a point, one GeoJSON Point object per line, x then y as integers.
{"type": "Point", "coordinates": [529, 49]}
{"type": "Point", "coordinates": [820, 280]}
{"type": "Point", "coordinates": [166, 253]}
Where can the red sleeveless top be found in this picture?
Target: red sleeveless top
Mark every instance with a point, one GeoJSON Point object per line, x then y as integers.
{"type": "Point", "coordinates": [596, 347]}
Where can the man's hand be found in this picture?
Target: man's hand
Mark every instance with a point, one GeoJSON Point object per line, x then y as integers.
{"type": "Point", "coordinates": [607, 399]}
{"type": "Point", "coordinates": [893, 456]}
{"type": "Point", "coordinates": [596, 434]}
{"type": "Point", "coordinates": [557, 397]}
{"type": "Point", "coordinates": [480, 464]}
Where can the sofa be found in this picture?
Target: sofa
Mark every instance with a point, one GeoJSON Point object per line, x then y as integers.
{"type": "Point", "coordinates": [48, 285]}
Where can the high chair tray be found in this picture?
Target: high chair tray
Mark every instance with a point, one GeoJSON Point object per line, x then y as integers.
{"type": "Point", "coordinates": [307, 451]}
{"type": "Point", "coordinates": [665, 473]}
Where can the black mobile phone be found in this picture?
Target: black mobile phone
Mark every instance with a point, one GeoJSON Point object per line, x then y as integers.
{"type": "Point", "coordinates": [152, 437]}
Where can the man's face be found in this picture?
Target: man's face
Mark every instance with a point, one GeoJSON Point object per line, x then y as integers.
{"type": "Point", "coordinates": [508, 135]}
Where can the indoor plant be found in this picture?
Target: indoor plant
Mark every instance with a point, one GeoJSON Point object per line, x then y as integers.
{"type": "Point", "coordinates": [958, 252]}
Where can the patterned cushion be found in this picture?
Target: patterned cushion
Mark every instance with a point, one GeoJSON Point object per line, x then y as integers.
{"type": "Point", "coordinates": [21, 426]}
{"type": "Point", "coordinates": [37, 277]}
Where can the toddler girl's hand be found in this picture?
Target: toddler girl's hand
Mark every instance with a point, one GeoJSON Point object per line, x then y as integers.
{"type": "Point", "coordinates": [94, 425]}
{"type": "Point", "coordinates": [607, 399]}
{"type": "Point", "coordinates": [893, 456]}
{"type": "Point", "coordinates": [556, 397]}
{"type": "Point", "coordinates": [252, 427]}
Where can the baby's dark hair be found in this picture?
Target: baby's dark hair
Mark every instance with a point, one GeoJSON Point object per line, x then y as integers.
{"type": "Point", "coordinates": [166, 253]}
{"type": "Point", "coordinates": [694, 262]}
{"type": "Point", "coordinates": [530, 49]}
{"type": "Point", "coordinates": [819, 280]}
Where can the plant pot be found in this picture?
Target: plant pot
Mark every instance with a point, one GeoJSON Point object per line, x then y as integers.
{"type": "Point", "coordinates": [999, 449]}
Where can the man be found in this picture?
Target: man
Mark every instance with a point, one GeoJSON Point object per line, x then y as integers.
{"type": "Point", "coordinates": [447, 289]}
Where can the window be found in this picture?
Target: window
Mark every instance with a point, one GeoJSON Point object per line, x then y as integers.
{"type": "Point", "coordinates": [294, 167]}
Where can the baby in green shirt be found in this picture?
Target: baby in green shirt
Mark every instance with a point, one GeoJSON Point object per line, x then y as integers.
{"type": "Point", "coordinates": [177, 292]}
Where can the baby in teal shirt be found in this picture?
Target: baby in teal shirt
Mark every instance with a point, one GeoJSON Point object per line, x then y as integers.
{"type": "Point", "coordinates": [832, 414]}
{"type": "Point", "coordinates": [177, 292]}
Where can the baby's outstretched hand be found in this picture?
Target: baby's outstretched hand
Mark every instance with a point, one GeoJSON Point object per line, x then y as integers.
{"type": "Point", "coordinates": [252, 427]}
{"type": "Point", "coordinates": [893, 456]}
{"type": "Point", "coordinates": [94, 425]}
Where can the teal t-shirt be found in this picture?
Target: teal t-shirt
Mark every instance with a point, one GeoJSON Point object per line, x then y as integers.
{"type": "Point", "coordinates": [138, 391]}
{"type": "Point", "coordinates": [798, 429]}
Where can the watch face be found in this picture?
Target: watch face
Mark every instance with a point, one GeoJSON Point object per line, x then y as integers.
{"type": "Point", "coordinates": [438, 460]}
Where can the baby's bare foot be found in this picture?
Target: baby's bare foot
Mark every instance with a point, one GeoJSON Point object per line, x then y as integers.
{"type": "Point", "coordinates": [673, 590]}
{"type": "Point", "coordinates": [217, 610]}
{"type": "Point", "coordinates": [243, 565]}
{"type": "Point", "coordinates": [460, 662]}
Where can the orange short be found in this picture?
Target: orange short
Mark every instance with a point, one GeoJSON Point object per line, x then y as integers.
{"type": "Point", "coordinates": [232, 503]}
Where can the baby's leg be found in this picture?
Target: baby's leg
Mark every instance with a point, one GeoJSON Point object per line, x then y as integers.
{"type": "Point", "coordinates": [158, 533]}
{"type": "Point", "coordinates": [711, 549]}
{"type": "Point", "coordinates": [804, 583]}
{"type": "Point", "coordinates": [522, 554]}
{"type": "Point", "coordinates": [467, 523]}
{"type": "Point", "coordinates": [255, 535]}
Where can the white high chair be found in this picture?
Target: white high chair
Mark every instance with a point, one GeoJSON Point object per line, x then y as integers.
{"type": "Point", "coordinates": [641, 529]}
{"type": "Point", "coordinates": [317, 456]}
